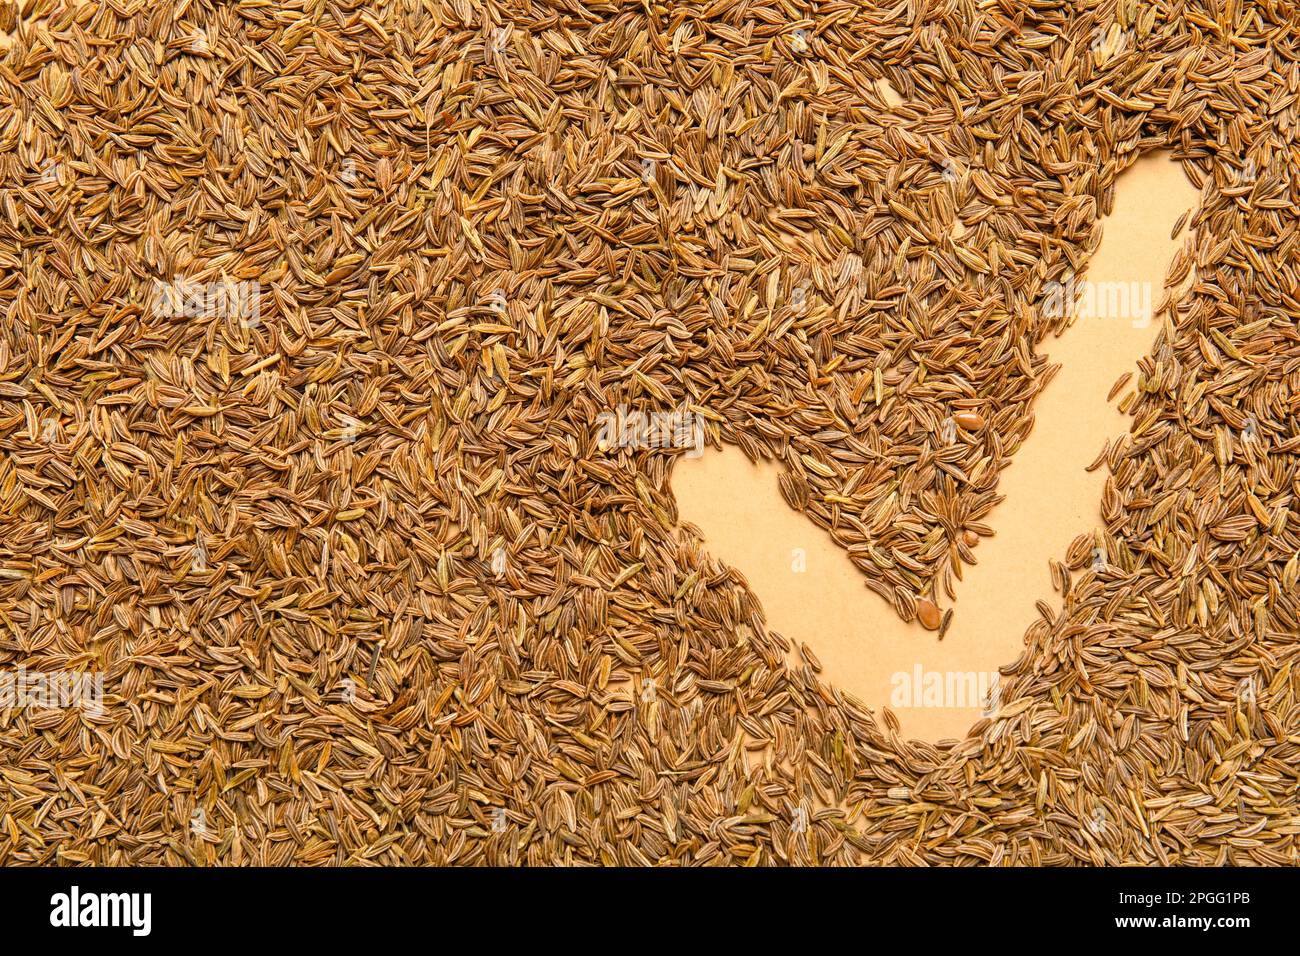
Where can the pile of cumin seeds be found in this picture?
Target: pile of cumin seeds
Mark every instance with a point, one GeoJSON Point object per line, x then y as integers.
{"type": "Point", "coordinates": [309, 320]}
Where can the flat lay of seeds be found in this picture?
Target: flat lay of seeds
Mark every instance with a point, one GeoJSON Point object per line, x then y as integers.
{"type": "Point", "coordinates": [346, 350]}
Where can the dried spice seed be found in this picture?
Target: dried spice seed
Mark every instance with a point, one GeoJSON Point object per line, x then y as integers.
{"type": "Point", "coordinates": [396, 300]}
{"type": "Point", "coordinates": [927, 612]}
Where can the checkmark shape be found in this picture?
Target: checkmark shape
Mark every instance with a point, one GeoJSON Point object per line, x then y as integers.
{"type": "Point", "coordinates": [812, 593]}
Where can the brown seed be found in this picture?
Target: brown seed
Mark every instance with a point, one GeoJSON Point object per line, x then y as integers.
{"type": "Point", "coordinates": [970, 538]}
{"type": "Point", "coordinates": [735, 237]}
{"type": "Point", "coordinates": [927, 612]}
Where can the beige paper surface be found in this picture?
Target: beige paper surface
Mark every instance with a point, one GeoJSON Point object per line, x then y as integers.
{"type": "Point", "coordinates": [1050, 499]}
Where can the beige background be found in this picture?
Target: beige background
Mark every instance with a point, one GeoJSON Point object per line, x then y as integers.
{"type": "Point", "coordinates": [1049, 498]}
